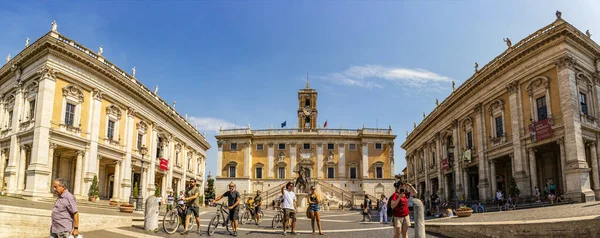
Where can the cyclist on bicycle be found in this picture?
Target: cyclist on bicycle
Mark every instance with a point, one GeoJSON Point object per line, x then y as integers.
{"type": "Point", "coordinates": [257, 204]}
{"type": "Point", "coordinates": [192, 206]}
{"type": "Point", "coordinates": [233, 200]}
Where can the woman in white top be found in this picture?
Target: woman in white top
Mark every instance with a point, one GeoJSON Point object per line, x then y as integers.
{"type": "Point", "coordinates": [383, 209]}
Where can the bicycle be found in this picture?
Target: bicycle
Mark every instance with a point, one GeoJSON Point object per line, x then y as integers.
{"type": "Point", "coordinates": [478, 207]}
{"type": "Point", "coordinates": [249, 215]}
{"type": "Point", "coordinates": [215, 221]}
{"type": "Point", "coordinates": [278, 218]}
{"type": "Point", "coordinates": [175, 218]}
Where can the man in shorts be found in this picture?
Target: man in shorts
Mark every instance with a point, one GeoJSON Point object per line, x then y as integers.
{"type": "Point", "coordinates": [401, 219]}
{"type": "Point", "coordinates": [192, 206]}
{"type": "Point", "coordinates": [257, 204]}
{"type": "Point", "coordinates": [233, 200]}
{"type": "Point", "coordinates": [289, 207]}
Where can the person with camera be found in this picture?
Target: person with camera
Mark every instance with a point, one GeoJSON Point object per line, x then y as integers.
{"type": "Point", "coordinates": [399, 202]}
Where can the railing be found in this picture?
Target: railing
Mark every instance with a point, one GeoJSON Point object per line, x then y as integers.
{"type": "Point", "coordinates": [353, 132]}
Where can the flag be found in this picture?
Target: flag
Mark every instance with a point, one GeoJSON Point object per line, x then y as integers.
{"type": "Point", "coordinates": [283, 124]}
{"type": "Point", "coordinates": [325, 125]}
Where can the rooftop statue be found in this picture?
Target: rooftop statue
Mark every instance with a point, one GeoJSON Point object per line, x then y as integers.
{"type": "Point", "coordinates": [101, 50]}
{"type": "Point", "coordinates": [453, 85]}
{"type": "Point", "coordinates": [508, 42]}
{"type": "Point", "coordinates": [54, 26]}
{"type": "Point", "coordinates": [558, 14]}
{"type": "Point", "coordinates": [476, 67]}
{"type": "Point", "coordinates": [27, 42]}
{"type": "Point", "coordinates": [7, 58]}
{"type": "Point", "coordinates": [437, 102]}
{"type": "Point", "coordinates": [133, 72]}
{"type": "Point", "coordinates": [588, 34]}
{"type": "Point", "coordinates": [156, 89]}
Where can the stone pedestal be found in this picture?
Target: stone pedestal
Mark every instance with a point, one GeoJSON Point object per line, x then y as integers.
{"type": "Point", "coordinates": [151, 214]}
{"type": "Point", "coordinates": [301, 200]}
{"type": "Point", "coordinates": [419, 218]}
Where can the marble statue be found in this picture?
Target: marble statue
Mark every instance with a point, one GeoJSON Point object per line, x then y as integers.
{"type": "Point", "coordinates": [101, 50]}
{"type": "Point", "coordinates": [476, 67]}
{"type": "Point", "coordinates": [588, 34]}
{"type": "Point", "coordinates": [414, 125]}
{"type": "Point", "coordinates": [453, 85]}
{"type": "Point", "coordinates": [508, 42]}
{"type": "Point", "coordinates": [186, 117]}
{"type": "Point", "coordinates": [27, 42]}
{"type": "Point", "coordinates": [156, 89]}
{"type": "Point", "coordinates": [174, 103]}
{"type": "Point", "coordinates": [133, 72]}
{"type": "Point", "coordinates": [303, 181]}
{"type": "Point", "coordinates": [54, 26]}
{"type": "Point", "coordinates": [424, 116]}
{"type": "Point", "coordinates": [437, 103]}
{"type": "Point", "coordinates": [7, 58]}
{"type": "Point", "coordinates": [558, 14]}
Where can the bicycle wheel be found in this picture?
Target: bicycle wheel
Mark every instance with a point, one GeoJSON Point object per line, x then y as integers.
{"type": "Point", "coordinates": [212, 226]}
{"type": "Point", "coordinates": [276, 221]}
{"type": "Point", "coordinates": [244, 218]}
{"type": "Point", "coordinates": [171, 222]}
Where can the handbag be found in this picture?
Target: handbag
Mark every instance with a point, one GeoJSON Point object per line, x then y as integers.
{"type": "Point", "coordinates": [308, 212]}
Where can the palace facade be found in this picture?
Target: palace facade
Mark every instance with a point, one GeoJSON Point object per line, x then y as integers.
{"type": "Point", "coordinates": [531, 114]}
{"type": "Point", "coordinates": [68, 112]}
{"type": "Point", "coordinates": [346, 163]}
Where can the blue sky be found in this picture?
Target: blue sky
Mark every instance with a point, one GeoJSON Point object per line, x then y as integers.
{"type": "Point", "coordinates": [241, 62]}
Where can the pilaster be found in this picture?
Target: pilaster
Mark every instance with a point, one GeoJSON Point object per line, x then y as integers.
{"type": "Point", "coordinates": [365, 161]}
{"type": "Point", "coordinates": [270, 158]}
{"type": "Point", "coordinates": [516, 111]}
{"type": "Point", "coordinates": [219, 159]}
{"type": "Point", "coordinates": [342, 160]}
{"type": "Point", "coordinates": [319, 160]}
{"type": "Point", "coordinates": [292, 160]}
{"type": "Point", "coordinates": [484, 186]}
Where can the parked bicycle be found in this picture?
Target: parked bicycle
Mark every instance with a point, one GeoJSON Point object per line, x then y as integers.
{"type": "Point", "coordinates": [221, 218]}
{"type": "Point", "coordinates": [478, 207]}
{"type": "Point", "coordinates": [278, 218]}
{"type": "Point", "coordinates": [249, 215]}
{"type": "Point", "coordinates": [175, 218]}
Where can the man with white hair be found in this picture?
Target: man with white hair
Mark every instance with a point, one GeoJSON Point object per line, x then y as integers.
{"type": "Point", "coordinates": [65, 219]}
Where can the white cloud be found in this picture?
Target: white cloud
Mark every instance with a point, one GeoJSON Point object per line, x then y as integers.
{"type": "Point", "coordinates": [374, 76]}
{"type": "Point", "coordinates": [210, 124]}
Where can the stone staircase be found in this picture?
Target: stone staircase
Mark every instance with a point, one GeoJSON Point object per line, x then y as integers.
{"type": "Point", "coordinates": [494, 207]}
{"type": "Point", "coordinates": [103, 204]}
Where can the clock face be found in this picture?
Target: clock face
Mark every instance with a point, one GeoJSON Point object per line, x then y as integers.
{"type": "Point", "coordinates": [306, 111]}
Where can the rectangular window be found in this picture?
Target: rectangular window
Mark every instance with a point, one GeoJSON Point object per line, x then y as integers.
{"type": "Point", "coordinates": [353, 172]}
{"type": "Point", "coordinates": [232, 171]}
{"type": "Point", "coordinates": [352, 146]}
{"type": "Point", "coordinates": [258, 174]}
{"type": "Point", "coordinates": [330, 172]}
{"type": "Point", "coordinates": [378, 172]}
{"type": "Point", "coordinates": [499, 127]}
{"type": "Point", "coordinates": [10, 118]}
{"type": "Point", "coordinates": [469, 140]}
{"type": "Point", "coordinates": [306, 146]}
{"type": "Point", "coordinates": [233, 146]}
{"type": "Point", "coordinates": [70, 114]}
{"type": "Point", "coordinates": [260, 146]}
{"type": "Point", "coordinates": [583, 102]}
{"type": "Point", "coordinates": [159, 148]}
{"type": "Point", "coordinates": [139, 141]}
{"type": "Point", "coordinates": [542, 110]}
{"type": "Point", "coordinates": [330, 146]}
{"type": "Point", "coordinates": [378, 146]}
{"type": "Point", "coordinates": [282, 146]}
{"type": "Point", "coordinates": [31, 109]}
{"type": "Point", "coordinates": [111, 129]}
{"type": "Point", "coordinates": [281, 172]}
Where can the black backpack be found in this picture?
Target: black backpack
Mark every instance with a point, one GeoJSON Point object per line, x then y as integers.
{"type": "Point", "coordinates": [390, 209]}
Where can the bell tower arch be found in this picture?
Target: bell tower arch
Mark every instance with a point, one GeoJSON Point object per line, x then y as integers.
{"type": "Point", "coordinates": [307, 108]}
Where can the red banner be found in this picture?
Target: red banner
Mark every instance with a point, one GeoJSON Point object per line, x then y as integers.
{"type": "Point", "coordinates": [445, 164]}
{"type": "Point", "coordinates": [540, 130]}
{"type": "Point", "coordinates": [164, 164]}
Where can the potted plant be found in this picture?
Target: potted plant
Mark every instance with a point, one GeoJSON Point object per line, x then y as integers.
{"type": "Point", "coordinates": [93, 193]}
{"type": "Point", "coordinates": [127, 208]}
{"type": "Point", "coordinates": [464, 211]}
{"type": "Point", "coordinates": [113, 202]}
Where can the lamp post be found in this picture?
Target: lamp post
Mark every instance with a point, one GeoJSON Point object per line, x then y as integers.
{"type": "Point", "coordinates": [140, 198]}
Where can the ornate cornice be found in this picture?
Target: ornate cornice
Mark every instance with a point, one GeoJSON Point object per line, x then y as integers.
{"type": "Point", "coordinates": [47, 73]}
{"type": "Point", "coordinates": [512, 87]}
{"type": "Point", "coordinates": [97, 94]}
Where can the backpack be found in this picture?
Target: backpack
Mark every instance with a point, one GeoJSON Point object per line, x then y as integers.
{"type": "Point", "coordinates": [390, 209]}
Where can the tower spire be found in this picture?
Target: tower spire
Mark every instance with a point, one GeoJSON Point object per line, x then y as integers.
{"type": "Point", "coordinates": [307, 85]}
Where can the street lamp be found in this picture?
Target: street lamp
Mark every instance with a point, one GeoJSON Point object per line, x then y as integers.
{"type": "Point", "coordinates": [140, 198]}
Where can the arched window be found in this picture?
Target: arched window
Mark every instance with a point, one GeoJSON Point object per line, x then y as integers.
{"type": "Point", "coordinates": [307, 102]}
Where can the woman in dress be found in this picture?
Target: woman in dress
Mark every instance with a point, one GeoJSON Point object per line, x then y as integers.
{"type": "Point", "coordinates": [315, 213]}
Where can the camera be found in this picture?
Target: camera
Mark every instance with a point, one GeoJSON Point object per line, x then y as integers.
{"type": "Point", "coordinates": [397, 184]}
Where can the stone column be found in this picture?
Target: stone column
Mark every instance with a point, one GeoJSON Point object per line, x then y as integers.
{"type": "Point", "coordinates": [117, 181]}
{"type": "Point", "coordinates": [438, 163]}
{"type": "Point", "coordinates": [292, 159]}
{"type": "Point", "coordinates": [576, 166]}
{"type": "Point", "coordinates": [219, 159]}
{"type": "Point", "coordinates": [493, 176]}
{"type": "Point", "coordinates": [171, 158]}
{"type": "Point", "coordinates": [96, 105]}
{"type": "Point", "coordinates": [466, 182]}
{"type": "Point", "coordinates": [184, 154]}
{"type": "Point", "coordinates": [342, 160]}
{"type": "Point", "coordinates": [270, 162]}
{"type": "Point", "coordinates": [391, 159]}
{"type": "Point", "coordinates": [51, 149]}
{"type": "Point", "coordinates": [2, 166]}
{"type": "Point", "coordinates": [532, 170]}
{"type": "Point", "coordinates": [594, 165]}
{"type": "Point", "coordinates": [479, 139]}
{"type": "Point", "coordinates": [153, 148]}
{"type": "Point", "coordinates": [12, 170]}
{"type": "Point", "coordinates": [563, 160]}
{"type": "Point", "coordinates": [319, 160]}
{"type": "Point", "coordinates": [457, 160]}
{"type": "Point", "coordinates": [247, 159]}
{"type": "Point", "coordinates": [78, 173]}
{"type": "Point", "coordinates": [426, 165]}
{"type": "Point", "coordinates": [364, 168]}
{"type": "Point", "coordinates": [23, 167]}
{"type": "Point", "coordinates": [516, 125]}
{"type": "Point", "coordinates": [128, 181]}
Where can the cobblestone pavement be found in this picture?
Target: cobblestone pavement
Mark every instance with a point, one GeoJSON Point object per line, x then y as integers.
{"type": "Point", "coordinates": [552, 212]}
{"type": "Point", "coordinates": [345, 224]}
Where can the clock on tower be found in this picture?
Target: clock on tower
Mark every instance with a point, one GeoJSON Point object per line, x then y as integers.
{"type": "Point", "coordinates": [307, 108]}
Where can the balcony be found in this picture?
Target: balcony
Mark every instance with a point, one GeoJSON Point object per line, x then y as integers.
{"type": "Point", "coordinates": [113, 143]}
{"type": "Point", "coordinates": [75, 130]}
{"type": "Point", "coordinates": [27, 124]}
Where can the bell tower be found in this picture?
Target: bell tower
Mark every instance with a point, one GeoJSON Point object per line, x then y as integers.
{"type": "Point", "coordinates": [307, 108]}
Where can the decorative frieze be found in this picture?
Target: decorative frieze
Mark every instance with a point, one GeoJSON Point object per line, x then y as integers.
{"type": "Point", "coordinates": [565, 62]}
